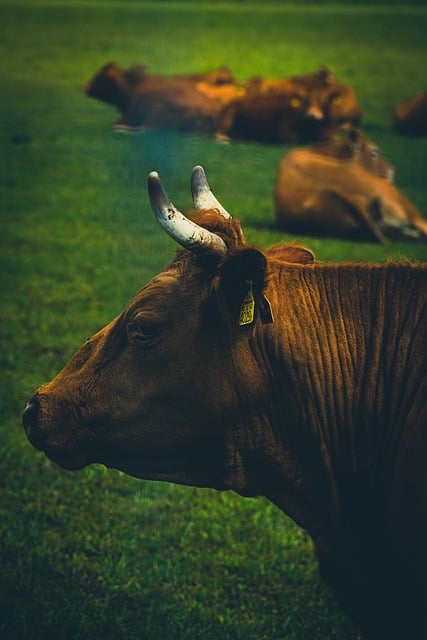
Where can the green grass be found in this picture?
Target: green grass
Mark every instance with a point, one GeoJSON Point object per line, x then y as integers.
{"type": "Point", "coordinates": [97, 554]}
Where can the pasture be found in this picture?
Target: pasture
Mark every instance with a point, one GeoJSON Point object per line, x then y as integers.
{"type": "Point", "coordinates": [97, 554]}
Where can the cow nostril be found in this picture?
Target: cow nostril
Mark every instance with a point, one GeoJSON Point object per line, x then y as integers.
{"type": "Point", "coordinates": [30, 416]}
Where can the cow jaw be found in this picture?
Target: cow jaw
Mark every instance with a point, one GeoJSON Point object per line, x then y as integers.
{"type": "Point", "coordinates": [191, 463]}
{"type": "Point", "coordinates": [130, 446]}
{"type": "Point", "coordinates": [54, 442]}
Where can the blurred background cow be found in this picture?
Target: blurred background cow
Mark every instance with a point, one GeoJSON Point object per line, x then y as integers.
{"type": "Point", "coordinates": [344, 188]}
{"type": "Point", "coordinates": [187, 102]}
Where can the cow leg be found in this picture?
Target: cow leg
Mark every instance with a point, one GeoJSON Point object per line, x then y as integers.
{"type": "Point", "coordinates": [333, 212]}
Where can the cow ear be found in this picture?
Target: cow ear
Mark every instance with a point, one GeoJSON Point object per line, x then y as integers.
{"type": "Point", "coordinates": [294, 253]}
{"type": "Point", "coordinates": [239, 285]}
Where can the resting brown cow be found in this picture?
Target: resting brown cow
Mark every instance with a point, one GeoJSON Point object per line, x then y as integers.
{"type": "Point", "coordinates": [272, 375]}
{"type": "Point", "coordinates": [344, 188]}
{"type": "Point", "coordinates": [410, 116]}
{"type": "Point", "coordinates": [115, 86]}
{"type": "Point", "coordinates": [295, 110]}
{"type": "Point", "coordinates": [188, 102]}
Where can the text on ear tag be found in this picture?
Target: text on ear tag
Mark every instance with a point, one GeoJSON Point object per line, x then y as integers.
{"type": "Point", "coordinates": [247, 310]}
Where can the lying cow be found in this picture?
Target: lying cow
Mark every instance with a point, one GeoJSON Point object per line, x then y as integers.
{"type": "Point", "coordinates": [297, 109]}
{"type": "Point", "coordinates": [344, 188]}
{"type": "Point", "coordinates": [268, 374]}
{"type": "Point", "coordinates": [410, 116]}
{"type": "Point", "coordinates": [188, 102]}
{"type": "Point", "coordinates": [116, 86]}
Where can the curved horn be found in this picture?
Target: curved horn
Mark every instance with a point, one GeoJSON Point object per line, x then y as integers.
{"type": "Point", "coordinates": [187, 233]}
{"type": "Point", "coordinates": [203, 197]}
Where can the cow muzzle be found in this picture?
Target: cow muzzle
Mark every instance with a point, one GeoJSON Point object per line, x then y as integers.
{"type": "Point", "coordinates": [314, 113]}
{"type": "Point", "coordinates": [42, 433]}
{"type": "Point", "coordinates": [31, 423]}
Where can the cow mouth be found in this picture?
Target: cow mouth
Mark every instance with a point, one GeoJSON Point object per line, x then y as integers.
{"type": "Point", "coordinates": [69, 458]}
{"type": "Point", "coordinates": [164, 468]}
{"type": "Point", "coordinates": [310, 129]}
{"type": "Point", "coordinates": [167, 467]}
{"type": "Point", "coordinates": [73, 449]}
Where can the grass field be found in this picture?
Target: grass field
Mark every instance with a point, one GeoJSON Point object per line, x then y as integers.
{"type": "Point", "coordinates": [97, 554]}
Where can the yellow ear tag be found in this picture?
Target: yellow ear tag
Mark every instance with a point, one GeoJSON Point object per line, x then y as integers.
{"type": "Point", "coordinates": [247, 311]}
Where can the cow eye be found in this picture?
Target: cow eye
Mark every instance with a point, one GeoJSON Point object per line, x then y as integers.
{"type": "Point", "coordinates": [144, 332]}
{"type": "Point", "coordinates": [337, 99]}
{"type": "Point", "coordinates": [295, 102]}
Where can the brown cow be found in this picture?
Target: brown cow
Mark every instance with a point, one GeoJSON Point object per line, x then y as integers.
{"type": "Point", "coordinates": [188, 102]}
{"type": "Point", "coordinates": [115, 86]}
{"type": "Point", "coordinates": [290, 110]}
{"type": "Point", "coordinates": [344, 188]}
{"type": "Point", "coordinates": [410, 116]}
{"type": "Point", "coordinates": [268, 374]}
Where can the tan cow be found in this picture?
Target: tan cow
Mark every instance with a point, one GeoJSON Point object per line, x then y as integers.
{"type": "Point", "coordinates": [268, 374]}
{"type": "Point", "coordinates": [344, 188]}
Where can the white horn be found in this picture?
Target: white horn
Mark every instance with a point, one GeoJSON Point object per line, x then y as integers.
{"type": "Point", "coordinates": [187, 233]}
{"type": "Point", "coordinates": [203, 197]}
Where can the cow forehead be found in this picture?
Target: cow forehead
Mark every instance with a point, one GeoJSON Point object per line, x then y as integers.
{"type": "Point", "coordinates": [158, 289]}
{"type": "Point", "coordinates": [163, 291]}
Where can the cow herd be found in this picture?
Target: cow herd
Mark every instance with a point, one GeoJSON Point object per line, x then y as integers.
{"type": "Point", "coordinates": [297, 109]}
{"type": "Point", "coordinates": [338, 186]}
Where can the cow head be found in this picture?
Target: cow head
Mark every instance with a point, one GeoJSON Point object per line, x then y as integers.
{"type": "Point", "coordinates": [329, 104]}
{"type": "Point", "coordinates": [350, 143]}
{"type": "Point", "coordinates": [339, 104]}
{"type": "Point", "coordinates": [154, 392]}
{"type": "Point", "coordinates": [110, 84]}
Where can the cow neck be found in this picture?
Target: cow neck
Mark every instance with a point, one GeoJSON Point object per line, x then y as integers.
{"type": "Point", "coordinates": [329, 374]}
